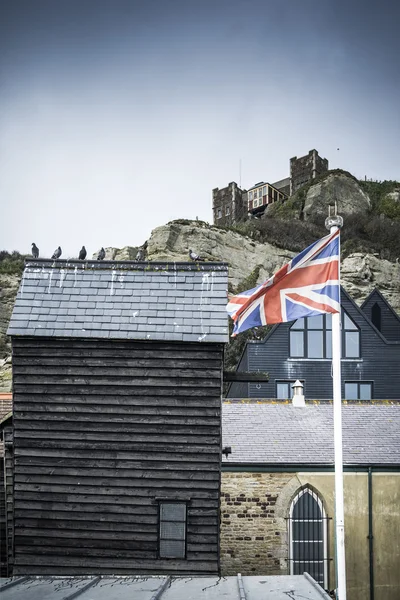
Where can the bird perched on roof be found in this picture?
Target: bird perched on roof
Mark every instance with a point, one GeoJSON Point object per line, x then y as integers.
{"type": "Point", "coordinates": [194, 256]}
{"type": "Point", "coordinates": [82, 253]}
{"type": "Point", "coordinates": [140, 254]}
{"type": "Point", "coordinates": [101, 255]}
{"type": "Point", "coordinates": [57, 253]}
{"type": "Point", "coordinates": [35, 251]}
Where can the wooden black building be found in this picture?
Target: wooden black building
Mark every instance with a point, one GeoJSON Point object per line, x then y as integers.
{"type": "Point", "coordinates": [117, 374]}
{"type": "Point", "coordinates": [302, 350]}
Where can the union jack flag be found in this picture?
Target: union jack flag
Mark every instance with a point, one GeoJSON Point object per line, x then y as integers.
{"type": "Point", "coordinates": [306, 286]}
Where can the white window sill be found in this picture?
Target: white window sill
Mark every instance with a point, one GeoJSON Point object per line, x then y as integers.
{"type": "Point", "coordinates": [324, 359]}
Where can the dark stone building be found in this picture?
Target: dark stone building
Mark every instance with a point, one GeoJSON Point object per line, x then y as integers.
{"type": "Point", "coordinates": [306, 168]}
{"type": "Point", "coordinates": [229, 205]}
{"type": "Point", "coordinates": [117, 373]}
{"type": "Point", "coordinates": [302, 350]}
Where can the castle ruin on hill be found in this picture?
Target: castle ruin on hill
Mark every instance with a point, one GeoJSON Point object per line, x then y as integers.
{"type": "Point", "coordinates": [232, 204]}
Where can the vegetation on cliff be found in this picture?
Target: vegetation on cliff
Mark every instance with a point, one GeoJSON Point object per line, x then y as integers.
{"type": "Point", "coordinates": [11, 263]}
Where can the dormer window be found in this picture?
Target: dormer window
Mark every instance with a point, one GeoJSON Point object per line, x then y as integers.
{"type": "Point", "coordinates": [311, 337]}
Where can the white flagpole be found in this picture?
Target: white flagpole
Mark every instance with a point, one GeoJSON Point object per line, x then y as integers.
{"type": "Point", "coordinates": [333, 224]}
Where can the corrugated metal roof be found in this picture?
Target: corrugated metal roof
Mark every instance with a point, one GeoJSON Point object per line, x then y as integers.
{"type": "Point", "coordinates": [122, 300]}
{"type": "Point", "coordinates": [164, 588]}
{"type": "Point", "coordinates": [279, 433]}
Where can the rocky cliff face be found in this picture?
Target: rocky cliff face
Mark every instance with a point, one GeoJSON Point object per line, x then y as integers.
{"type": "Point", "coordinates": [360, 273]}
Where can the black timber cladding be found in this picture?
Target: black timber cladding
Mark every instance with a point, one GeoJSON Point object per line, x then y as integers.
{"type": "Point", "coordinates": [105, 429]}
{"type": "Point", "coordinates": [378, 363]}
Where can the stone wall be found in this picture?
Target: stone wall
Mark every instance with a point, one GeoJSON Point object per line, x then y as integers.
{"type": "Point", "coordinates": [229, 205]}
{"type": "Point", "coordinates": [303, 169]}
{"type": "Point", "coordinates": [253, 534]}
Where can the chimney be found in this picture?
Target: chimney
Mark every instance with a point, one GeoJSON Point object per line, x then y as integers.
{"type": "Point", "coordinates": [298, 397]}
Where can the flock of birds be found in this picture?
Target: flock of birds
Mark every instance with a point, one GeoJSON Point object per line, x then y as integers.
{"type": "Point", "coordinates": [57, 253]}
{"type": "Point", "coordinates": [140, 256]}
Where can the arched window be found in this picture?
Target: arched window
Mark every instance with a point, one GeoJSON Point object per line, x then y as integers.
{"type": "Point", "coordinates": [308, 533]}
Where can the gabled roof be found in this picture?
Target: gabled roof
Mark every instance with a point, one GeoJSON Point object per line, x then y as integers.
{"type": "Point", "coordinates": [122, 300]}
{"type": "Point", "coordinates": [376, 293]}
{"type": "Point", "coordinates": [277, 433]}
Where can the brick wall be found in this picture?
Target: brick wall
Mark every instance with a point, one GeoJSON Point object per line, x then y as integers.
{"type": "Point", "coordinates": [253, 526]}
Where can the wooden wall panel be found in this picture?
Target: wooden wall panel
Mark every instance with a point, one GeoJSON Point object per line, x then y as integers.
{"type": "Point", "coordinates": [102, 432]}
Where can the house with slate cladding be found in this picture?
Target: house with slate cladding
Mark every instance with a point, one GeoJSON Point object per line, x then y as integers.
{"type": "Point", "coordinates": [302, 350]}
{"type": "Point", "coordinates": [277, 492]}
{"type": "Point", "coordinates": [116, 447]}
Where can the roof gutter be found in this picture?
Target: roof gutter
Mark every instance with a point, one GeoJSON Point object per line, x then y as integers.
{"type": "Point", "coordinates": [294, 468]}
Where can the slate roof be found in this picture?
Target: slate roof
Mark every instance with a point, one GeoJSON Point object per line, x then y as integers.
{"type": "Point", "coordinates": [265, 432]}
{"type": "Point", "coordinates": [122, 300]}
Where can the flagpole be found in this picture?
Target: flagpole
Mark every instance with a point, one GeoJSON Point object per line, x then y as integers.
{"type": "Point", "coordinates": [333, 223]}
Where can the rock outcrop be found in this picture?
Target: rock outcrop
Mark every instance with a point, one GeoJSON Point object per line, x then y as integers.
{"type": "Point", "coordinates": [340, 188]}
{"type": "Point", "coordinates": [172, 242]}
{"type": "Point", "coordinates": [126, 253]}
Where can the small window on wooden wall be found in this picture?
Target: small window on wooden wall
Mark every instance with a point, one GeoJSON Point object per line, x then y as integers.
{"type": "Point", "coordinates": [172, 532]}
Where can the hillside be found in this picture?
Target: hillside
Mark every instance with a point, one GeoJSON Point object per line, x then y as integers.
{"type": "Point", "coordinates": [257, 248]}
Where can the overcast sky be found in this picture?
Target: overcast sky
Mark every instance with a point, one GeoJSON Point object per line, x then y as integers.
{"type": "Point", "coordinates": [117, 116]}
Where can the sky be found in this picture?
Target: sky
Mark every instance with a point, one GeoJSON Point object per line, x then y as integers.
{"type": "Point", "coordinates": [117, 116]}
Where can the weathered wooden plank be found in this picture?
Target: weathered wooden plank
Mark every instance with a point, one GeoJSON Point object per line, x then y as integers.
{"type": "Point", "coordinates": [34, 429]}
{"type": "Point", "coordinates": [96, 516]}
{"type": "Point", "coordinates": [98, 509]}
{"type": "Point", "coordinates": [89, 552]}
{"type": "Point", "coordinates": [190, 411]}
{"type": "Point", "coordinates": [134, 400]}
{"type": "Point", "coordinates": [52, 459]}
{"type": "Point", "coordinates": [116, 390]}
{"type": "Point", "coordinates": [190, 567]}
{"type": "Point", "coordinates": [113, 473]}
{"type": "Point", "coordinates": [79, 527]}
{"type": "Point", "coordinates": [135, 361]}
{"type": "Point", "coordinates": [42, 418]}
{"type": "Point", "coordinates": [52, 542]}
{"type": "Point", "coordinates": [144, 456]}
{"type": "Point", "coordinates": [82, 373]}
{"type": "Point", "coordinates": [108, 500]}
{"type": "Point", "coordinates": [122, 437]}
{"type": "Point", "coordinates": [148, 381]}
{"type": "Point", "coordinates": [111, 353]}
{"type": "Point", "coordinates": [125, 482]}
{"type": "Point", "coordinates": [159, 491]}
{"type": "Point", "coordinates": [113, 347]}
{"type": "Point", "coordinates": [178, 565]}
{"type": "Point", "coordinates": [155, 451]}
{"type": "Point", "coordinates": [43, 533]}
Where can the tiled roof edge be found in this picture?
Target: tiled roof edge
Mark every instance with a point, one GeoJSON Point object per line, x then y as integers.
{"type": "Point", "coordinates": [130, 265]}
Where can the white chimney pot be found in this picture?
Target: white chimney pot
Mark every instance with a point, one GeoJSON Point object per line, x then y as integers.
{"type": "Point", "coordinates": [298, 397]}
